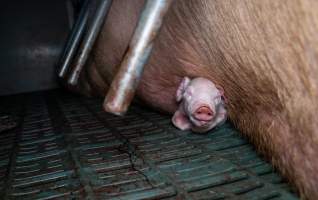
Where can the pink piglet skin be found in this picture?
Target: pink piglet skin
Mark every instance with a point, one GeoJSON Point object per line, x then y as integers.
{"type": "Point", "coordinates": [201, 105]}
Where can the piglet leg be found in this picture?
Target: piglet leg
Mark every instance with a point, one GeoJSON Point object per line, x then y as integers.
{"type": "Point", "coordinates": [181, 121]}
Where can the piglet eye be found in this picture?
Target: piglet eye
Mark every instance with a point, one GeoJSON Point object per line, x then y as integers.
{"type": "Point", "coordinates": [189, 91]}
{"type": "Point", "coordinates": [188, 95]}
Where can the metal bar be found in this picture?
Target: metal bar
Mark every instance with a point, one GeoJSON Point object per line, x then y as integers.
{"type": "Point", "coordinates": [89, 39]}
{"type": "Point", "coordinates": [74, 39]}
{"type": "Point", "coordinates": [122, 89]}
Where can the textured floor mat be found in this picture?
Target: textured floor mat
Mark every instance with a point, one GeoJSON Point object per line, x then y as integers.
{"type": "Point", "coordinates": [66, 147]}
{"type": "Point", "coordinates": [7, 122]}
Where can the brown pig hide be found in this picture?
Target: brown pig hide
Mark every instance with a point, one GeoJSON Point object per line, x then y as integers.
{"type": "Point", "coordinates": [264, 53]}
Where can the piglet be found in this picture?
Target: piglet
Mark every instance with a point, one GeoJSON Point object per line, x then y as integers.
{"type": "Point", "coordinates": [201, 105]}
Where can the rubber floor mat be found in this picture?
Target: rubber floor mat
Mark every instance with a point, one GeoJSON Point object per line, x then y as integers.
{"type": "Point", "coordinates": [67, 147]}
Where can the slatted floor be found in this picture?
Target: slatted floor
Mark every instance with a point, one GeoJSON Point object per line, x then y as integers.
{"type": "Point", "coordinates": [66, 147]}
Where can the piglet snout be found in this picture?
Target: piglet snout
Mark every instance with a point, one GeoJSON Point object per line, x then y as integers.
{"type": "Point", "coordinates": [203, 113]}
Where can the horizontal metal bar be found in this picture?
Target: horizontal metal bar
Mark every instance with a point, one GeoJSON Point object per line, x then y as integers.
{"type": "Point", "coordinates": [125, 82]}
{"type": "Point", "coordinates": [89, 40]}
{"type": "Point", "coordinates": [74, 39]}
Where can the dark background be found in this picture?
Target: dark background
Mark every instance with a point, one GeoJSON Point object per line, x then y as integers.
{"type": "Point", "coordinates": [32, 36]}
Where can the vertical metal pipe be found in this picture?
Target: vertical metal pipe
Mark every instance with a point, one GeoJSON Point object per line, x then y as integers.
{"type": "Point", "coordinates": [89, 39]}
{"type": "Point", "coordinates": [122, 89]}
{"type": "Point", "coordinates": [74, 39]}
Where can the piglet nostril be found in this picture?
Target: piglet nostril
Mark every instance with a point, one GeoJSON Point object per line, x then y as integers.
{"type": "Point", "coordinates": [203, 113]}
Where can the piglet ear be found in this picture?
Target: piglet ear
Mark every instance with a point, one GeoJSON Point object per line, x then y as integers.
{"type": "Point", "coordinates": [182, 87]}
{"type": "Point", "coordinates": [221, 90]}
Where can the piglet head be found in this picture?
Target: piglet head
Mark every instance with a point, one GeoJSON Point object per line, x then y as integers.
{"type": "Point", "coordinates": [200, 99]}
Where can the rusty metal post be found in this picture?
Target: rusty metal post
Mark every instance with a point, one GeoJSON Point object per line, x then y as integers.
{"type": "Point", "coordinates": [74, 39]}
{"type": "Point", "coordinates": [89, 39]}
{"type": "Point", "coordinates": [122, 89]}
